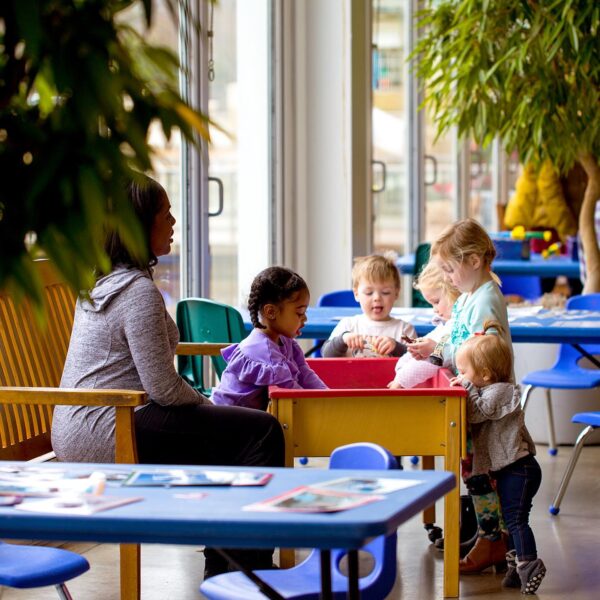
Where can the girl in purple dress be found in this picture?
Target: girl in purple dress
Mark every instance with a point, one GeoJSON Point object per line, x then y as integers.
{"type": "Point", "coordinates": [269, 355]}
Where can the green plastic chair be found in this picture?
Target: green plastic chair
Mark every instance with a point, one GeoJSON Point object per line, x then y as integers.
{"type": "Point", "coordinates": [202, 320]}
{"type": "Point", "coordinates": [422, 254]}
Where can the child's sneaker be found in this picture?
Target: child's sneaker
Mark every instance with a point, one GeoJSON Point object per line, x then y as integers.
{"type": "Point", "coordinates": [531, 575]}
{"type": "Point", "coordinates": [511, 579]}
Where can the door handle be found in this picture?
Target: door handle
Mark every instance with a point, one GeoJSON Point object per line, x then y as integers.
{"type": "Point", "coordinates": [376, 189]}
{"type": "Point", "coordinates": [219, 210]}
{"type": "Point", "coordinates": [434, 162]}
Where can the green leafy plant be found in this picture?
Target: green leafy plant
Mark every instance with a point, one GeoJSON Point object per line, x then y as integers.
{"type": "Point", "coordinates": [79, 90]}
{"type": "Point", "coordinates": [526, 71]}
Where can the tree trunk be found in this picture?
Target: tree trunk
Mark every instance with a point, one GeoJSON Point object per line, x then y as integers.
{"type": "Point", "coordinates": [587, 225]}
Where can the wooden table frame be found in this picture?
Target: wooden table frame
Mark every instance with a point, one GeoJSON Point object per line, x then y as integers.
{"type": "Point", "coordinates": [413, 424]}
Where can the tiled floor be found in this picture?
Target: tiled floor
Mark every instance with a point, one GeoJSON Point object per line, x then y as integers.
{"type": "Point", "coordinates": [569, 545]}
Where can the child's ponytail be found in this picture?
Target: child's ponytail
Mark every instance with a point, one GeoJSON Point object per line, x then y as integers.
{"type": "Point", "coordinates": [492, 324]}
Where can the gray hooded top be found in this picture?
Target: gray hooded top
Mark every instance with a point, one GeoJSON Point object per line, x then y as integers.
{"type": "Point", "coordinates": [123, 338]}
{"type": "Point", "coordinates": [497, 426]}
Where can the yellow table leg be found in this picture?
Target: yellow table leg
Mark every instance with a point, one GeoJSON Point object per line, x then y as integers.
{"type": "Point", "coordinates": [452, 500]}
{"type": "Point", "coordinates": [130, 571]}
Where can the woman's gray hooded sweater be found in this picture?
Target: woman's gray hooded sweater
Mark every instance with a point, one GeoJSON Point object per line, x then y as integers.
{"type": "Point", "coordinates": [123, 338]}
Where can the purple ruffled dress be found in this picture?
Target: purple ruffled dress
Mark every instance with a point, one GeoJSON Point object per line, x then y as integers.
{"type": "Point", "coordinates": [256, 363]}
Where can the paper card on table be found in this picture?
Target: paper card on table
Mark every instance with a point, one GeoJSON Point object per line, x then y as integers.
{"type": "Point", "coordinates": [524, 311]}
{"type": "Point", "coordinates": [367, 485]}
{"type": "Point", "coordinates": [179, 477]}
{"type": "Point", "coordinates": [249, 478]}
{"type": "Point", "coordinates": [30, 482]}
{"type": "Point", "coordinates": [84, 504]}
{"type": "Point", "coordinates": [183, 477]}
{"type": "Point", "coordinates": [312, 500]}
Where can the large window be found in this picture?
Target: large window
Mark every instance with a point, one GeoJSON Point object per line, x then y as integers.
{"type": "Point", "coordinates": [388, 125]}
{"type": "Point", "coordinates": [167, 154]}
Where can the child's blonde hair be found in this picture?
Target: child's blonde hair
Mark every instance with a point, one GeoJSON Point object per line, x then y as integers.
{"type": "Point", "coordinates": [432, 277]}
{"type": "Point", "coordinates": [462, 239]}
{"type": "Point", "coordinates": [489, 354]}
{"type": "Point", "coordinates": [376, 268]}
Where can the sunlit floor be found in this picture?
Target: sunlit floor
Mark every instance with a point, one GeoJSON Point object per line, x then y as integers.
{"type": "Point", "coordinates": [569, 545]}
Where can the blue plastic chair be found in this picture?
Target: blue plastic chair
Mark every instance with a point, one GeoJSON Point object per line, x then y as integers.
{"type": "Point", "coordinates": [337, 298]}
{"type": "Point", "coordinates": [28, 567]}
{"type": "Point", "coordinates": [592, 420]}
{"type": "Point", "coordinates": [566, 373]}
{"type": "Point", "coordinates": [529, 287]}
{"type": "Point", "coordinates": [302, 582]}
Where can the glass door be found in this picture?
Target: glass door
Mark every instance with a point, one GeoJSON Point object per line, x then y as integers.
{"type": "Point", "coordinates": [388, 125]}
{"type": "Point", "coordinates": [482, 204]}
{"type": "Point", "coordinates": [235, 76]}
{"type": "Point", "coordinates": [414, 174]}
{"type": "Point", "coordinates": [439, 180]}
{"type": "Point", "coordinates": [167, 152]}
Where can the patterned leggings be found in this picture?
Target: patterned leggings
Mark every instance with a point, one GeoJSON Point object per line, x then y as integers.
{"type": "Point", "coordinates": [485, 499]}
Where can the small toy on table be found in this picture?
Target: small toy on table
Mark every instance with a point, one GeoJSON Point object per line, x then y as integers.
{"type": "Point", "coordinates": [520, 233]}
{"type": "Point", "coordinates": [552, 249]}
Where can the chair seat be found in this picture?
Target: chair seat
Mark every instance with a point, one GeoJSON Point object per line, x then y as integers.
{"type": "Point", "coordinates": [302, 582]}
{"type": "Point", "coordinates": [566, 379]}
{"type": "Point", "coordinates": [587, 418]}
{"type": "Point", "coordinates": [38, 566]}
{"type": "Point", "coordinates": [298, 583]}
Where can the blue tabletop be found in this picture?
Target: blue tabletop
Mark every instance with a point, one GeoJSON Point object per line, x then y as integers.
{"type": "Point", "coordinates": [529, 324]}
{"type": "Point", "coordinates": [218, 519]}
{"type": "Point", "coordinates": [536, 265]}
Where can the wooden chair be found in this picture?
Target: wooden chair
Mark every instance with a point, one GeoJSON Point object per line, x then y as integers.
{"type": "Point", "coordinates": [32, 358]}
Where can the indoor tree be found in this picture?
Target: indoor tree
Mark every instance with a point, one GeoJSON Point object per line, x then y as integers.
{"type": "Point", "coordinates": [79, 90]}
{"type": "Point", "coordinates": [527, 72]}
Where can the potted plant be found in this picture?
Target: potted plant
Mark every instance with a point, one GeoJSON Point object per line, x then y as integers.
{"type": "Point", "coordinates": [527, 72]}
{"type": "Point", "coordinates": [79, 90]}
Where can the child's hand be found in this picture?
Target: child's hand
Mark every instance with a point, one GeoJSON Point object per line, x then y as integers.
{"type": "Point", "coordinates": [394, 385]}
{"type": "Point", "coordinates": [354, 341]}
{"type": "Point", "coordinates": [383, 345]}
{"type": "Point", "coordinates": [421, 348]}
{"type": "Point", "coordinates": [456, 380]}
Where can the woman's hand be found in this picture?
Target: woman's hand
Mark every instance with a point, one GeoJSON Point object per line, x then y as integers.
{"type": "Point", "coordinates": [421, 348]}
{"type": "Point", "coordinates": [394, 385]}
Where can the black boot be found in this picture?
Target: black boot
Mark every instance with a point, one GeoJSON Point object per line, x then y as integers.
{"type": "Point", "coordinates": [468, 527]}
{"type": "Point", "coordinates": [255, 560]}
{"type": "Point", "coordinates": [214, 563]}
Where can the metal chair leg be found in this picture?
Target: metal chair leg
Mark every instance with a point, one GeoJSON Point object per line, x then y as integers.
{"type": "Point", "coordinates": [552, 450]}
{"type": "Point", "coordinates": [525, 397]}
{"type": "Point", "coordinates": [555, 506]}
{"type": "Point", "coordinates": [63, 592]}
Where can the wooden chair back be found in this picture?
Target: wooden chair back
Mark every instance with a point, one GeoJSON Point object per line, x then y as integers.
{"type": "Point", "coordinates": [32, 355]}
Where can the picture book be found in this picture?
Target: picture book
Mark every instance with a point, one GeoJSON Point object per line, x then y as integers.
{"type": "Point", "coordinates": [182, 477]}
{"type": "Point", "coordinates": [313, 500]}
{"type": "Point", "coordinates": [82, 504]}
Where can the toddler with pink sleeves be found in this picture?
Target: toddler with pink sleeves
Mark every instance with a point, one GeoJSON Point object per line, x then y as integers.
{"type": "Point", "coordinates": [269, 355]}
{"type": "Point", "coordinates": [442, 295]}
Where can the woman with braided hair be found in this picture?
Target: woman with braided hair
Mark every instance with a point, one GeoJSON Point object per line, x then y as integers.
{"type": "Point", "coordinates": [269, 355]}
